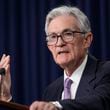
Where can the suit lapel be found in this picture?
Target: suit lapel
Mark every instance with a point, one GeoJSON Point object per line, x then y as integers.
{"type": "Point", "coordinates": [60, 88]}
{"type": "Point", "coordinates": [87, 77]}
{"type": "Point", "coordinates": [56, 89]}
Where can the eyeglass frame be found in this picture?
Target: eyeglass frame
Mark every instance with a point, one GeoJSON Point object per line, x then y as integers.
{"type": "Point", "coordinates": [61, 35]}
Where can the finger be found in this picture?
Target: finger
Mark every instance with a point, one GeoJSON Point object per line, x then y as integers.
{"type": "Point", "coordinates": [7, 75]}
{"type": "Point", "coordinates": [3, 56]}
{"type": "Point", "coordinates": [7, 68]}
{"type": "Point", "coordinates": [50, 106]}
{"type": "Point", "coordinates": [0, 78]}
{"type": "Point", "coordinates": [33, 106]}
{"type": "Point", "coordinates": [5, 61]}
{"type": "Point", "coordinates": [2, 60]}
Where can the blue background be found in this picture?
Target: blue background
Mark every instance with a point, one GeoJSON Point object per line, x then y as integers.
{"type": "Point", "coordinates": [22, 36]}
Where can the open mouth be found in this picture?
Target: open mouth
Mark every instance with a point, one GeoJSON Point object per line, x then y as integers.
{"type": "Point", "coordinates": [62, 52]}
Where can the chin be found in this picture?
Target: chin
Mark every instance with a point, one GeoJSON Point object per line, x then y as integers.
{"type": "Point", "coordinates": [62, 63]}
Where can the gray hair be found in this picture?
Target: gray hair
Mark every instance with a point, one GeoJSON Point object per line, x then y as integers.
{"type": "Point", "coordinates": [84, 23]}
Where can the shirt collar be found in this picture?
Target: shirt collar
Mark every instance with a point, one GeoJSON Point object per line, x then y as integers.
{"type": "Point", "coordinates": [76, 75]}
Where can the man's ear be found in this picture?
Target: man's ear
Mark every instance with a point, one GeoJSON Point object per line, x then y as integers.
{"type": "Point", "coordinates": [88, 39]}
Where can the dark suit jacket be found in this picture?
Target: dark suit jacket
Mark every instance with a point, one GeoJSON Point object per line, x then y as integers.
{"type": "Point", "coordinates": [93, 92]}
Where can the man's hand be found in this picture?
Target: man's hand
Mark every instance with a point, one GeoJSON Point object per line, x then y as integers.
{"type": "Point", "coordinates": [5, 94]}
{"type": "Point", "coordinates": [40, 105]}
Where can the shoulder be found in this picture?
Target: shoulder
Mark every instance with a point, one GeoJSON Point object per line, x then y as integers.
{"type": "Point", "coordinates": [56, 83]}
{"type": "Point", "coordinates": [53, 90]}
{"type": "Point", "coordinates": [98, 63]}
{"type": "Point", "coordinates": [103, 71]}
{"type": "Point", "coordinates": [104, 66]}
{"type": "Point", "coordinates": [97, 68]}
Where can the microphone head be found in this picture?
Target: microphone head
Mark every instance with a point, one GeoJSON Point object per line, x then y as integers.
{"type": "Point", "coordinates": [2, 71]}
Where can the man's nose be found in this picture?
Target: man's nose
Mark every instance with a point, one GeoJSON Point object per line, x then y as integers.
{"type": "Point", "coordinates": [60, 41]}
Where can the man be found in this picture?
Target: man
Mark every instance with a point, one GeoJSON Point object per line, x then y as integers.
{"type": "Point", "coordinates": [68, 38]}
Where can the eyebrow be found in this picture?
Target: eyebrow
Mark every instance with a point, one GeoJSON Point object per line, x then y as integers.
{"type": "Point", "coordinates": [65, 30]}
{"type": "Point", "coordinates": [68, 29]}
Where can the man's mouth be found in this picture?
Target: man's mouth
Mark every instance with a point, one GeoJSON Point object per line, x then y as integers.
{"type": "Point", "coordinates": [62, 52]}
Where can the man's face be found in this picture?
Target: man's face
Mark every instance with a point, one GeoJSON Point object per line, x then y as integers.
{"type": "Point", "coordinates": [71, 53]}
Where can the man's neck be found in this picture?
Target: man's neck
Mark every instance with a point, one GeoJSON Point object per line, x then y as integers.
{"type": "Point", "coordinates": [70, 70]}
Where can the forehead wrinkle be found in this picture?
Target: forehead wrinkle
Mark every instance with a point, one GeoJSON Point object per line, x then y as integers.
{"type": "Point", "coordinates": [59, 23]}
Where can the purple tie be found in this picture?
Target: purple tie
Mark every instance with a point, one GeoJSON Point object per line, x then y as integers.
{"type": "Point", "coordinates": [67, 86]}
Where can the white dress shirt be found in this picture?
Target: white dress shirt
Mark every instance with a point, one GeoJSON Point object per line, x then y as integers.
{"type": "Point", "coordinates": [75, 77]}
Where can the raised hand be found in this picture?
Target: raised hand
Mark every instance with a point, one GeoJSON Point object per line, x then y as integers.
{"type": "Point", "coordinates": [5, 86]}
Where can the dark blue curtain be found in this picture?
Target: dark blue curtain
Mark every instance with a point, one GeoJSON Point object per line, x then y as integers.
{"type": "Point", "coordinates": [22, 36]}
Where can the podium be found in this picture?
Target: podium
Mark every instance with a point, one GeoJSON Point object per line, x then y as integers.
{"type": "Point", "coordinates": [12, 106]}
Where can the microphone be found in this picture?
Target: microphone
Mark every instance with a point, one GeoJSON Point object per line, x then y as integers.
{"type": "Point", "coordinates": [2, 71]}
{"type": "Point", "coordinates": [2, 74]}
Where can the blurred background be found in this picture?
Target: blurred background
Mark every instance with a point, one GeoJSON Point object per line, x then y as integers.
{"type": "Point", "coordinates": [22, 36]}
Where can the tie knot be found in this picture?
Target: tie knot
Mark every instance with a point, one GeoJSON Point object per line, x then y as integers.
{"type": "Point", "coordinates": [67, 83]}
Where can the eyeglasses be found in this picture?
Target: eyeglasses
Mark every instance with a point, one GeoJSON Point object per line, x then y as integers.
{"type": "Point", "coordinates": [67, 36]}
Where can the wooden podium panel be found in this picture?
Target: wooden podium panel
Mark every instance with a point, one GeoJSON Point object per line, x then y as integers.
{"type": "Point", "coordinates": [12, 106]}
